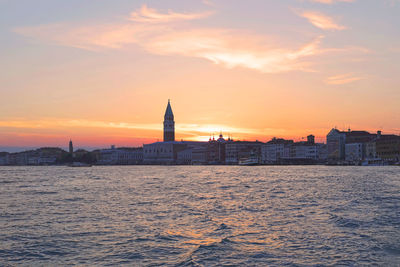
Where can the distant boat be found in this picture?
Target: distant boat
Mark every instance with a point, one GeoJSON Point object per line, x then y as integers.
{"type": "Point", "coordinates": [79, 164]}
{"type": "Point", "coordinates": [250, 161]}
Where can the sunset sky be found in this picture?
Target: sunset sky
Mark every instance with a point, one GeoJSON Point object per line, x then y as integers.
{"type": "Point", "coordinates": [101, 72]}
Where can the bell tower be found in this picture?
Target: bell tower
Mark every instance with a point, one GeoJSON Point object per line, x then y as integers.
{"type": "Point", "coordinates": [169, 124]}
{"type": "Point", "coordinates": [71, 147]}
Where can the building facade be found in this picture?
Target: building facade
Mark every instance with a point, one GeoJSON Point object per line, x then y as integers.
{"type": "Point", "coordinates": [120, 156]}
{"type": "Point", "coordinates": [185, 157]}
{"type": "Point", "coordinates": [168, 153]}
{"type": "Point", "coordinates": [4, 158]}
{"type": "Point", "coordinates": [357, 146]}
{"type": "Point", "coordinates": [388, 148]}
{"type": "Point", "coordinates": [275, 150]}
{"type": "Point", "coordinates": [241, 150]}
{"type": "Point", "coordinates": [281, 151]}
{"type": "Point", "coordinates": [216, 150]}
{"type": "Point", "coordinates": [370, 150]}
{"type": "Point", "coordinates": [336, 141]}
{"type": "Point", "coordinates": [355, 153]}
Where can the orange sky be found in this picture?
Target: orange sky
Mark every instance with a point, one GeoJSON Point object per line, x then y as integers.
{"type": "Point", "coordinates": [103, 76]}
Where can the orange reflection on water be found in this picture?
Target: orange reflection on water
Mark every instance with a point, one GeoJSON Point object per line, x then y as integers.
{"type": "Point", "coordinates": [183, 233]}
{"type": "Point", "coordinates": [239, 230]}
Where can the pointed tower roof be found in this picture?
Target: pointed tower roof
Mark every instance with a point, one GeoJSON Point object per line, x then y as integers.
{"type": "Point", "coordinates": [168, 111]}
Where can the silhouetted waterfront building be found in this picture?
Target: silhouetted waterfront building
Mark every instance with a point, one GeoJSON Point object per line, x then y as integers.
{"type": "Point", "coordinates": [275, 150]}
{"type": "Point", "coordinates": [281, 151]}
{"type": "Point", "coordinates": [216, 150]}
{"type": "Point", "coordinates": [362, 147]}
{"type": "Point", "coordinates": [238, 150]}
{"type": "Point", "coordinates": [370, 150]}
{"type": "Point", "coordinates": [335, 141]}
{"type": "Point", "coordinates": [388, 148]}
{"type": "Point", "coordinates": [167, 153]}
{"type": "Point", "coordinates": [311, 139]}
{"type": "Point", "coordinates": [184, 157]}
{"type": "Point", "coordinates": [4, 158]}
{"type": "Point", "coordinates": [354, 153]}
{"type": "Point", "coordinates": [41, 156]}
{"type": "Point", "coordinates": [199, 155]}
{"type": "Point", "coordinates": [120, 156]}
{"type": "Point", "coordinates": [169, 124]}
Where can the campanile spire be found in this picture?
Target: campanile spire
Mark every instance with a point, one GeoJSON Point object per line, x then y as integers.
{"type": "Point", "coordinates": [169, 124]}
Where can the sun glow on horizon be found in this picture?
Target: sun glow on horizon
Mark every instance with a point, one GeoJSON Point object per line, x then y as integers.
{"type": "Point", "coordinates": [105, 75]}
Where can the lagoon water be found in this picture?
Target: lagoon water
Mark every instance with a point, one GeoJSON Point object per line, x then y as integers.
{"type": "Point", "coordinates": [200, 216]}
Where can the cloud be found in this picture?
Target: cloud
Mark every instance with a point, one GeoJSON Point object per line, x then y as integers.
{"type": "Point", "coordinates": [350, 49]}
{"type": "Point", "coordinates": [150, 15]}
{"type": "Point", "coordinates": [330, 2]}
{"type": "Point", "coordinates": [208, 3]}
{"type": "Point", "coordinates": [90, 37]}
{"type": "Point", "coordinates": [183, 128]}
{"type": "Point", "coordinates": [321, 21]}
{"type": "Point", "coordinates": [46, 131]}
{"type": "Point", "coordinates": [225, 47]}
{"type": "Point", "coordinates": [59, 122]}
{"type": "Point", "coordinates": [229, 49]}
{"type": "Point", "coordinates": [343, 79]}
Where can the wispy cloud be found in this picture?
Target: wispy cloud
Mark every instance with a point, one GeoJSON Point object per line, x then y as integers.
{"type": "Point", "coordinates": [150, 15]}
{"type": "Point", "coordinates": [90, 37]}
{"type": "Point", "coordinates": [52, 130]}
{"type": "Point", "coordinates": [228, 49]}
{"type": "Point", "coordinates": [321, 21]}
{"type": "Point", "coordinates": [343, 79]}
{"type": "Point", "coordinates": [330, 2]}
{"type": "Point", "coordinates": [208, 3]}
{"type": "Point", "coordinates": [183, 128]}
{"type": "Point", "coordinates": [58, 122]}
{"type": "Point", "coordinates": [225, 47]}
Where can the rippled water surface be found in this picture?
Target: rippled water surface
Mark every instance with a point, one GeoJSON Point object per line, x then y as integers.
{"type": "Point", "coordinates": [200, 216]}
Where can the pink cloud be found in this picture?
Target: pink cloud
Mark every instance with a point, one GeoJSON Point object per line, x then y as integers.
{"type": "Point", "coordinates": [229, 48]}
{"type": "Point", "coordinates": [91, 37]}
{"type": "Point", "coordinates": [225, 47]}
{"type": "Point", "coordinates": [321, 21]}
{"type": "Point", "coordinates": [329, 2]}
{"type": "Point", "coordinates": [343, 79]}
{"type": "Point", "coordinates": [150, 15]}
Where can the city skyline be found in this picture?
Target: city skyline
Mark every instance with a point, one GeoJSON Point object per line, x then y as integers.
{"type": "Point", "coordinates": [285, 69]}
{"type": "Point", "coordinates": [169, 137]}
{"type": "Point", "coordinates": [167, 116]}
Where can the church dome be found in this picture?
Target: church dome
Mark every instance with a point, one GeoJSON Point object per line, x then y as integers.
{"type": "Point", "coordinates": [221, 139]}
